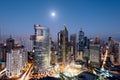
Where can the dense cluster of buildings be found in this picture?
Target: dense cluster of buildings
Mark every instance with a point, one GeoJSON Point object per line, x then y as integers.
{"type": "Point", "coordinates": [14, 56]}
{"type": "Point", "coordinates": [90, 50]}
{"type": "Point", "coordinates": [46, 52]}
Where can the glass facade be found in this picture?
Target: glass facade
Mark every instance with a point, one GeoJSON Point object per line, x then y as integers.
{"type": "Point", "coordinates": [81, 41]}
{"type": "Point", "coordinates": [62, 45]}
{"type": "Point", "coordinates": [41, 48]}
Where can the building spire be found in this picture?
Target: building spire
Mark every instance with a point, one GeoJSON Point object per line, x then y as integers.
{"type": "Point", "coordinates": [65, 27]}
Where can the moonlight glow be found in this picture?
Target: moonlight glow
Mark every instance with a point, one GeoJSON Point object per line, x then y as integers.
{"type": "Point", "coordinates": [53, 14]}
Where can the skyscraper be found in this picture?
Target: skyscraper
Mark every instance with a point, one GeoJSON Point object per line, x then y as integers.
{"type": "Point", "coordinates": [86, 52]}
{"type": "Point", "coordinates": [3, 51]}
{"type": "Point", "coordinates": [41, 46]}
{"type": "Point", "coordinates": [2, 55]}
{"type": "Point", "coordinates": [73, 44]}
{"type": "Point", "coordinates": [10, 43]}
{"type": "Point", "coordinates": [119, 54]}
{"type": "Point", "coordinates": [16, 60]}
{"type": "Point", "coordinates": [53, 53]}
{"type": "Point", "coordinates": [62, 45]}
{"type": "Point", "coordinates": [81, 41]}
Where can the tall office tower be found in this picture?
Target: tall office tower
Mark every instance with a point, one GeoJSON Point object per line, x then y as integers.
{"type": "Point", "coordinates": [9, 44]}
{"type": "Point", "coordinates": [111, 50]}
{"type": "Point", "coordinates": [3, 52]}
{"type": "Point", "coordinates": [41, 46]}
{"type": "Point", "coordinates": [16, 60]}
{"type": "Point", "coordinates": [2, 55]}
{"type": "Point", "coordinates": [81, 41]}
{"type": "Point", "coordinates": [86, 42]}
{"type": "Point", "coordinates": [115, 50]}
{"type": "Point", "coordinates": [119, 54]}
{"type": "Point", "coordinates": [53, 53]}
{"type": "Point", "coordinates": [62, 45]}
{"type": "Point", "coordinates": [73, 44]}
{"type": "Point", "coordinates": [86, 53]}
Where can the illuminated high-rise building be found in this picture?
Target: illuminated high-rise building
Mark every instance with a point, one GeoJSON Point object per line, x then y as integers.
{"type": "Point", "coordinates": [86, 52]}
{"type": "Point", "coordinates": [62, 45]}
{"type": "Point", "coordinates": [53, 53]}
{"type": "Point", "coordinates": [81, 41]}
{"type": "Point", "coordinates": [119, 54]}
{"type": "Point", "coordinates": [10, 44]}
{"type": "Point", "coordinates": [41, 46]}
{"type": "Point", "coordinates": [16, 60]}
{"type": "Point", "coordinates": [2, 55]}
{"type": "Point", "coordinates": [73, 44]}
{"type": "Point", "coordinates": [3, 52]}
{"type": "Point", "coordinates": [6, 47]}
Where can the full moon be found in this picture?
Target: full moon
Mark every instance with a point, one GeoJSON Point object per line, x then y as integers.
{"type": "Point", "coordinates": [53, 14]}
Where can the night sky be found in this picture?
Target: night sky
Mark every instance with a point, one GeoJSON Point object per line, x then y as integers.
{"type": "Point", "coordinates": [95, 17]}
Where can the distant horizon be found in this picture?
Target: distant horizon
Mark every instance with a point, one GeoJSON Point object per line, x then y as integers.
{"type": "Point", "coordinates": [114, 35]}
{"type": "Point", "coordinates": [28, 43]}
{"type": "Point", "coordinates": [103, 37]}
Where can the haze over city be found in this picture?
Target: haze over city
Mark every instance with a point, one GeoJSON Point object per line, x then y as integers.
{"type": "Point", "coordinates": [95, 17]}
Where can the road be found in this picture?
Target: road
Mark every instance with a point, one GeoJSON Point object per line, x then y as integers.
{"type": "Point", "coordinates": [25, 76]}
{"type": "Point", "coordinates": [29, 71]}
{"type": "Point", "coordinates": [2, 74]}
{"type": "Point", "coordinates": [2, 71]}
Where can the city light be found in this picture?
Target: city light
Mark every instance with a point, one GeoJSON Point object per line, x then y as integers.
{"type": "Point", "coordinates": [104, 60]}
{"type": "Point", "coordinates": [60, 40]}
{"type": "Point", "coordinates": [66, 59]}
